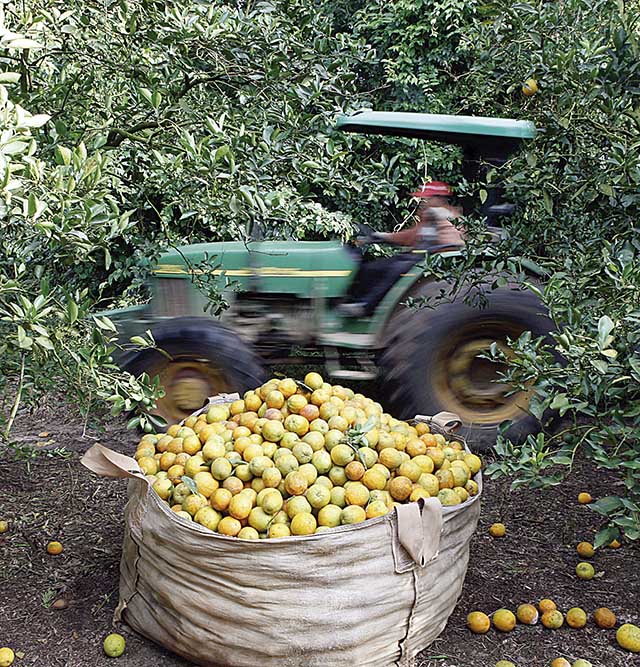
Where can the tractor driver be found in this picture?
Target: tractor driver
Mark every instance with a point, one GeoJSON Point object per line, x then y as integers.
{"type": "Point", "coordinates": [433, 231]}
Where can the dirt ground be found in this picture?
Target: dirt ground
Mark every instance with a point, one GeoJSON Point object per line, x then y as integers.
{"type": "Point", "coordinates": [51, 496]}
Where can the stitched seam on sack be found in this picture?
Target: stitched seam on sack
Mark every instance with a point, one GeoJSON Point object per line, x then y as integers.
{"type": "Point", "coordinates": [404, 654]}
{"type": "Point", "coordinates": [135, 566]}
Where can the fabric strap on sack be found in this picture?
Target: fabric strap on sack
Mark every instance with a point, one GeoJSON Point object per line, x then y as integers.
{"type": "Point", "coordinates": [447, 421]}
{"type": "Point", "coordinates": [107, 463]}
{"type": "Point", "coordinates": [419, 531]}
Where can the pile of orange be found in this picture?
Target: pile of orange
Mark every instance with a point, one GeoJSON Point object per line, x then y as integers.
{"type": "Point", "coordinates": [298, 458]}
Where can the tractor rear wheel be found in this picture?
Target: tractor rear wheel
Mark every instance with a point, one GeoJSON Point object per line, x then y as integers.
{"type": "Point", "coordinates": [432, 361]}
{"type": "Point", "coordinates": [201, 358]}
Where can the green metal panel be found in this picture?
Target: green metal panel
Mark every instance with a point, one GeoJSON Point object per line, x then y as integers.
{"type": "Point", "coordinates": [304, 268]}
{"type": "Point", "coordinates": [395, 296]}
{"type": "Point", "coordinates": [438, 127]}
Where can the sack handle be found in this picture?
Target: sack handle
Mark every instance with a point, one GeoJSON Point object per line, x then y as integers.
{"type": "Point", "coordinates": [107, 463]}
{"type": "Point", "coordinates": [419, 530]}
{"type": "Point", "coordinates": [447, 421]}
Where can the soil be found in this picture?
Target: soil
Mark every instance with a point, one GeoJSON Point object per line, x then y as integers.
{"type": "Point", "coordinates": [46, 494]}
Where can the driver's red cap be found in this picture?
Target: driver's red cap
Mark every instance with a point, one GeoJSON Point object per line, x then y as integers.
{"type": "Point", "coordinates": [433, 189]}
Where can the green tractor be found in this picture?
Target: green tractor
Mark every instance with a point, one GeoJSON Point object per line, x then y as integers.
{"type": "Point", "coordinates": [288, 303]}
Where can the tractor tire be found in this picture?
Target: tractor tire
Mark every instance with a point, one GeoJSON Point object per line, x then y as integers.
{"type": "Point", "coordinates": [430, 361]}
{"type": "Point", "coordinates": [202, 358]}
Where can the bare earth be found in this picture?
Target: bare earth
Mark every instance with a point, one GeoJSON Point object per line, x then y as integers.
{"type": "Point", "coordinates": [54, 497]}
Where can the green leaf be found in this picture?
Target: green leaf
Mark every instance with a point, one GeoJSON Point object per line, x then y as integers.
{"type": "Point", "coordinates": [38, 120]}
{"type": "Point", "coordinates": [134, 422]}
{"type": "Point", "coordinates": [72, 311]}
{"type": "Point", "coordinates": [605, 327]}
{"type": "Point", "coordinates": [9, 77]}
{"type": "Point", "coordinates": [559, 401]}
{"type": "Point", "coordinates": [24, 43]}
{"type": "Point", "coordinates": [605, 536]}
{"type": "Point", "coordinates": [190, 484]}
{"type": "Point", "coordinates": [24, 342]}
{"type": "Point", "coordinates": [138, 340]}
{"type": "Point", "coordinates": [63, 155]}
{"type": "Point", "coordinates": [607, 505]}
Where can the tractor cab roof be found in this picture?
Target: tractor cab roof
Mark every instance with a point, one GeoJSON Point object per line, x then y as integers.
{"type": "Point", "coordinates": [475, 134]}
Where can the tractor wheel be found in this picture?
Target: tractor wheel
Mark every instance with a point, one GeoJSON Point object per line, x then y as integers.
{"type": "Point", "coordinates": [203, 358]}
{"type": "Point", "coordinates": [431, 361]}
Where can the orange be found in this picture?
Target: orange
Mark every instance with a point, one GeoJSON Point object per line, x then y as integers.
{"type": "Point", "coordinates": [220, 499]}
{"type": "Point", "coordinates": [352, 514]}
{"type": "Point", "coordinates": [604, 618]}
{"type": "Point", "coordinates": [497, 530]}
{"type": "Point", "coordinates": [416, 448]}
{"type": "Point", "coordinates": [527, 614]}
{"type": "Point", "coordinates": [504, 620]}
{"type": "Point", "coordinates": [411, 470]}
{"type": "Point", "coordinates": [585, 550]}
{"type": "Point", "coordinates": [357, 494]}
{"type": "Point", "coordinates": [576, 618]}
{"type": "Point", "coordinates": [552, 619]}
{"type": "Point", "coordinates": [585, 571]}
{"type": "Point", "coordinates": [478, 622]}
{"type": "Point", "coordinates": [354, 470]}
{"type": "Point", "coordinates": [54, 548]}
{"type": "Point", "coordinates": [614, 544]}
{"type": "Point", "coordinates": [295, 483]}
{"type": "Point", "coordinates": [249, 533]}
{"type": "Point", "coordinates": [279, 530]}
{"type": "Point", "coordinates": [376, 508]}
{"type": "Point", "coordinates": [275, 399]}
{"type": "Point", "coordinates": [529, 87]}
{"type": "Point", "coordinates": [560, 662]}
{"type": "Point", "coordinates": [303, 523]}
{"type": "Point", "coordinates": [400, 488]}
{"type": "Point", "coordinates": [628, 637]}
{"type": "Point", "coordinates": [7, 656]}
{"type": "Point", "coordinates": [390, 458]}
{"type": "Point", "coordinates": [114, 645]}
{"type": "Point", "coordinates": [445, 479]}
{"type": "Point", "coordinates": [229, 526]}
{"type": "Point", "coordinates": [584, 498]}
{"type": "Point", "coordinates": [546, 605]}
{"type": "Point", "coordinates": [313, 381]}
{"type": "Point", "coordinates": [417, 493]}
{"type": "Point", "coordinates": [374, 479]}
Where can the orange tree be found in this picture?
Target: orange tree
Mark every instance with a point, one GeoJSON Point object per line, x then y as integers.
{"type": "Point", "coordinates": [578, 189]}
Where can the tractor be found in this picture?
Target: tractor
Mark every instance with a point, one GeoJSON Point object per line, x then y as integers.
{"type": "Point", "coordinates": [287, 306]}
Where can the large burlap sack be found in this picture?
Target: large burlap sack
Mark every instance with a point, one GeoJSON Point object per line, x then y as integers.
{"type": "Point", "coordinates": [369, 594]}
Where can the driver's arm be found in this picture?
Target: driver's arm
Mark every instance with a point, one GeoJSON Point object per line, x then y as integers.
{"type": "Point", "coordinates": [406, 237]}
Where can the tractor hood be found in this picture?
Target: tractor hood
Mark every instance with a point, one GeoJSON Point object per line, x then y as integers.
{"type": "Point", "coordinates": [303, 268]}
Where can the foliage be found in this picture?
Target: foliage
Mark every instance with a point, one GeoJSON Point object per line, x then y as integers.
{"type": "Point", "coordinates": [56, 222]}
{"type": "Point", "coordinates": [420, 54]}
{"type": "Point", "coordinates": [214, 115]}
